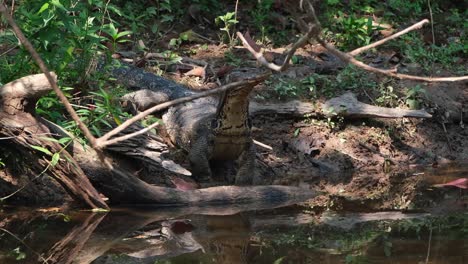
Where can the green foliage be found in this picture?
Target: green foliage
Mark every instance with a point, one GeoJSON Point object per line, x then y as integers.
{"type": "Point", "coordinates": [349, 25]}
{"type": "Point", "coordinates": [18, 254]}
{"type": "Point", "coordinates": [115, 36]}
{"type": "Point", "coordinates": [266, 21]}
{"type": "Point", "coordinates": [447, 55]}
{"type": "Point", "coordinates": [387, 97]}
{"type": "Point", "coordinates": [353, 78]}
{"type": "Point", "coordinates": [401, 9]}
{"type": "Point", "coordinates": [415, 96]}
{"type": "Point", "coordinates": [354, 31]}
{"type": "Point", "coordinates": [285, 88]}
{"type": "Point", "coordinates": [227, 21]}
{"type": "Point", "coordinates": [63, 32]}
{"type": "Point", "coordinates": [99, 114]}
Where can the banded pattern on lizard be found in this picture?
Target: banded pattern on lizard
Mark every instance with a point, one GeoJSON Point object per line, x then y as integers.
{"type": "Point", "coordinates": [210, 128]}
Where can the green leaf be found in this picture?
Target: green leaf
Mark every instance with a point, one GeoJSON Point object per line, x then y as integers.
{"type": "Point", "coordinates": [58, 5]}
{"type": "Point", "coordinates": [296, 132]}
{"type": "Point", "coordinates": [279, 261]}
{"type": "Point", "coordinates": [55, 159]}
{"type": "Point", "coordinates": [41, 149]}
{"type": "Point", "coordinates": [123, 33]}
{"type": "Point", "coordinates": [43, 8]}
{"type": "Point", "coordinates": [64, 140]}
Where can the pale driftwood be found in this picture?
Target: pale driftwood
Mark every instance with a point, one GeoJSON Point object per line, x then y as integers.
{"type": "Point", "coordinates": [30, 86]}
{"type": "Point", "coordinates": [348, 106]}
{"type": "Point", "coordinates": [294, 108]}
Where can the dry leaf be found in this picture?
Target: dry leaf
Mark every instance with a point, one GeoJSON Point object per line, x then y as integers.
{"type": "Point", "coordinates": [197, 71]}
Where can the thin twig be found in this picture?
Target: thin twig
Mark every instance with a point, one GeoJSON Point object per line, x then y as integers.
{"type": "Point", "coordinates": [263, 145]}
{"type": "Point", "coordinates": [313, 30]}
{"type": "Point", "coordinates": [8, 50]}
{"type": "Point", "coordinates": [235, 18]}
{"type": "Point", "coordinates": [392, 72]}
{"type": "Point", "coordinates": [432, 21]}
{"type": "Point", "coordinates": [128, 136]}
{"type": "Point", "coordinates": [446, 136]}
{"type": "Point", "coordinates": [349, 59]}
{"type": "Point", "coordinates": [394, 36]}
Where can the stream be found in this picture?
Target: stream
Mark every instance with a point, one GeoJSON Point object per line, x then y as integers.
{"type": "Point", "coordinates": [223, 234]}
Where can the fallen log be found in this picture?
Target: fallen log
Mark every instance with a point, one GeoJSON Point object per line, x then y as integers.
{"type": "Point", "coordinates": [347, 105]}
{"type": "Point", "coordinates": [123, 188]}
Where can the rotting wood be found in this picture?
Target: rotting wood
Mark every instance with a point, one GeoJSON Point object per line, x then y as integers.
{"type": "Point", "coordinates": [22, 129]}
{"type": "Point", "coordinates": [347, 105]}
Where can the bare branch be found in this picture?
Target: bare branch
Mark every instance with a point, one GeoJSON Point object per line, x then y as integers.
{"type": "Point", "coordinates": [128, 136]}
{"type": "Point", "coordinates": [312, 32]}
{"type": "Point", "coordinates": [394, 36]}
{"type": "Point", "coordinates": [348, 59]}
{"type": "Point", "coordinates": [258, 55]}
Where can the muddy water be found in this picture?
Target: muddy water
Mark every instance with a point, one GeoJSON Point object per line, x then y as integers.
{"type": "Point", "coordinates": [286, 235]}
{"type": "Point", "coordinates": [289, 234]}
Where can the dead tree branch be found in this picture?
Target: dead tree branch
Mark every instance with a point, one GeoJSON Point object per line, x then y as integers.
{"type": "Point", "coordinates": [314, 32]}
{"type": "Point", "coordinates": [394, 36]}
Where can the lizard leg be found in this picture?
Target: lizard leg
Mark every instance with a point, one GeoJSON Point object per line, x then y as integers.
{"type": "Point", "coordinates": [246, 171]}
{"type": "Point", "coordinates": [199, 159]}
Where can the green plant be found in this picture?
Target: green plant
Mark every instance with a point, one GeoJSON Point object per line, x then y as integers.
{"type": "Point", "coordinates": [354, 31]}
{"type": "Point", "coordinates": [115, 36]}
{"type": "Point", "coordinates": [387, 96]}
{"type": "Point", "coordinates": [285, 88]}
{"type": "Point", "coordinates": [98, 115]}
{"type": "Point", "coordinates": [310, 84]}
{"type": "Point", "coordinates": [353, 78]}
{"type": "Point", "coordinates": [227, 21]}
{"type": "Point", "coordinates": [18, 254]}
{"type": "Point", "coordinates": [414, 97]}
{"type": "Point", "coordinates": [446, 55]}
